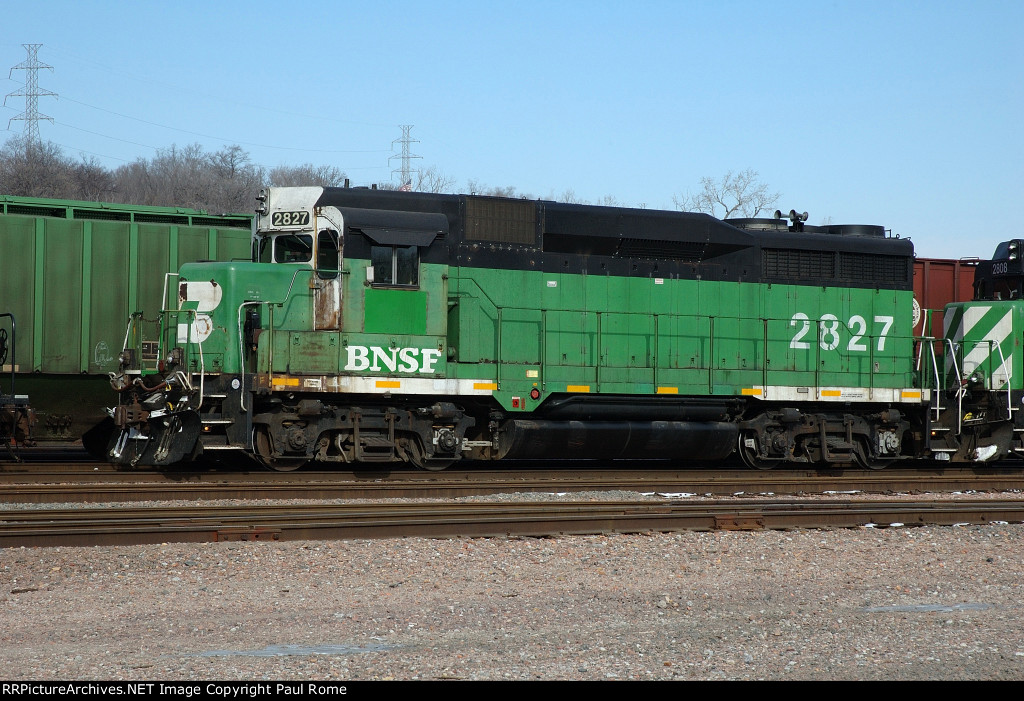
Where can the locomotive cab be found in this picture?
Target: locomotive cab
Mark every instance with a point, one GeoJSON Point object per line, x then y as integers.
{"type": "Point", "coordinates": [1001, 278]}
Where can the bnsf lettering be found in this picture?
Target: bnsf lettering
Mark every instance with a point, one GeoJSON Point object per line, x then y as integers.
{"type": "Point", "coordinates": [377, 359]}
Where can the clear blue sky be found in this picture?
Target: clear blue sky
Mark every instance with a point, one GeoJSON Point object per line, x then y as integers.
{"type": "Point", "coordinates": [905, 114]}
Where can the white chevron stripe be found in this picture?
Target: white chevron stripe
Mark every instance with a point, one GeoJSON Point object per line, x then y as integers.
{"type": "Point", "coordinates": [980, 353]}
{"type": "Point", "coordinates": [972, 315]}
{"type": "Point", "coordinates": [1002, 376]}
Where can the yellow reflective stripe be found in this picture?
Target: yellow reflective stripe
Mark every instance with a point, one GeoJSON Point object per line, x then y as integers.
{"type": "Point", "coordinates": [389, 384]}
{"type": "Point", "coordinates": [577, 388]}
{"type": "Point", "coordinates": [485, 385]}
{"type": "Point", "coordinates": [752, 391]}
{"type": "Point", "coordinates": [668, 390]}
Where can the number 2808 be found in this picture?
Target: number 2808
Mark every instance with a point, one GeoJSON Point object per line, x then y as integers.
{"type": "Point", "coordinates": [830, 328]}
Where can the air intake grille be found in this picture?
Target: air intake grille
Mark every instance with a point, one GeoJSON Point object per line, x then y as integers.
{"type": "Point", "coordinates": [864, 269]}
{"type": "Point", "coordinates": [795, 265]}
{"type": "Point", "coordinates": [507, 221]}
{"type": "Point", "coordinates": [873, 268]}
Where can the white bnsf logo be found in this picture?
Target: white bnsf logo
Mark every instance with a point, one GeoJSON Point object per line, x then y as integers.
{"type": "Point", "coordinates": [376, 359]}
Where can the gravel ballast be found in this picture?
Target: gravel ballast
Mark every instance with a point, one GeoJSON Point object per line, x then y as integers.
{"type": "Point", "coordinates": [869, 603]}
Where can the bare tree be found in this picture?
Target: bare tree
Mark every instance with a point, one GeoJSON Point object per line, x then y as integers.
{"type": "Point", "coordinates": [92, 181]}
{"type": "Point", "coordinates": [610, 201]}
{"type": "Point", "coordinates": [235, 179]}
{"type": "Point", "coordinates": [35, 169]}
{"type": "Point", "coordinates": [478, 188]}
{"type": "Point", "coordinates": [306, 174]}
{"type": "Point", "coordinates": [223, 181]}
{"type": "Point", "coordinates": [427, 180]}
{"type": "Point", "coordinates": [569, 197]}
{"type": "Point", "coordinates": [734, 194]}
{"type": "Point", "coordinates": [174, 177]}
{"type": "Point", "coordinates": [433, 180]}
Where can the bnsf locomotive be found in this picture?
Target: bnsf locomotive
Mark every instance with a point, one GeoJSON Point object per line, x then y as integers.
{"type": "Point", "coordinates": [979, 365]}
{"type": "Point", "coordinates": [379, 326]}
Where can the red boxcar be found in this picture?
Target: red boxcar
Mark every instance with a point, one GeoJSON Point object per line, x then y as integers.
{"type": "Point", "coordinates": [937, 282]}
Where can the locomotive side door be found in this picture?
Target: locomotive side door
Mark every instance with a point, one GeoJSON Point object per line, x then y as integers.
{"type": "Point", "coordinates": [326, 281]}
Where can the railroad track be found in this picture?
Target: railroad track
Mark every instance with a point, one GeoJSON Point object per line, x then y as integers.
{"type": "Point", "coordinates": [96, 482]}
{"type": "Point", "coordinates": [125, 526]}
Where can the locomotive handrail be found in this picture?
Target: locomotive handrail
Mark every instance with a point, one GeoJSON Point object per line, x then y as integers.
{"type": "Point", "coordinates": [1008, 372]}
{"type": "Point", "coordinates": [241, 348]}
{"type": "Point", "coordinates": [163, 297]}
{"type": "Point", "coordinates": [202, 361]}
{"type": "Point", "coordinates": [929, 342]}
{"type": "Point", "coordinates": [295, 274]}
{"type": "Point", "coordinates": [960, 392]}
{"type": "Point", "coordinates": [938, 380]}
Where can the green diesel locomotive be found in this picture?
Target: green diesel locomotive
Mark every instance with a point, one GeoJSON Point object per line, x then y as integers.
{"type": "Point", "coordinates": [381, 326]}
{"type": "Point", "coordinates": [979, 366]}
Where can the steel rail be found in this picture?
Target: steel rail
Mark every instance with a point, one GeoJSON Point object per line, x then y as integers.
{"type": "Point", "coordinates": [99, 486]}
{"type": "Point", "coordinates": [123, 526]}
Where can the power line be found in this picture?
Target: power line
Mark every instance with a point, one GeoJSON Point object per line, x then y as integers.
{"type": "Point", "coordinates": [211, 136]}
{"type": "Point", "coordinates": [32, 92]}
{"type": "Point", "coordinates": [149, 80]}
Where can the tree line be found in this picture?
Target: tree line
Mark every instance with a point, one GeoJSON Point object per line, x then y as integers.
{"type": "Point", "coordinates": [222, 181]}
{"type": "Point", "coordinates": [225, 181]}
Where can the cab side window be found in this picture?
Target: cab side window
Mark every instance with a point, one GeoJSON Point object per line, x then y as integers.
{"type": "Point", "coordinates": [395, 266]}
{"type": "Point", "coordinates": [327, 254]}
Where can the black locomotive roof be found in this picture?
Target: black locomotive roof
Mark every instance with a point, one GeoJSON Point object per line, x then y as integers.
{"type": "Point", "coordinates": [575, 238]}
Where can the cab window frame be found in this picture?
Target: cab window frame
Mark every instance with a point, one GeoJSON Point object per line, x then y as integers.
{"type": "Point", "coordinates": [395, 266]}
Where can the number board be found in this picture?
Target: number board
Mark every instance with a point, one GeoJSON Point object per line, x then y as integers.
{"type": "Point", "coordinates": [289, 219]}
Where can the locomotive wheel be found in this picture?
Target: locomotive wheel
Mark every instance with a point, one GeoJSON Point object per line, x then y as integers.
{"type": "Point", "coordinates": [265, 454]}
{"type": "Point", "coordinates": [862, 456]}
{"type": "Point", "coordinates": [429, 464]}
{"type": "Point", "coordinates": [750, 456]}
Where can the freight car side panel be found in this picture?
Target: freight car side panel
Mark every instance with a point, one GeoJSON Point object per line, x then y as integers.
{"type": "Point", "coordinates": [17, 285]}
{"type": "Point", "coordinates": [60, 331]}
{"type": "Point", "coordinates": [75, 281]}
{"type": "Point", "coordinates": [938, 282]}
{"type": "Point", "coordinates": [108, 251]}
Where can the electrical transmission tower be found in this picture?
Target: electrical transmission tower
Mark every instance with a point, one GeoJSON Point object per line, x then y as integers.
{"type": "Point", "coordinates": [32, 93]}
{"type": "Point", "coordinates": [405, 171]}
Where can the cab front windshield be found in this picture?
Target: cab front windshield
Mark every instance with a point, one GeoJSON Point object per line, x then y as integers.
{"type": "Point", "coordinates": [286, 248]}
